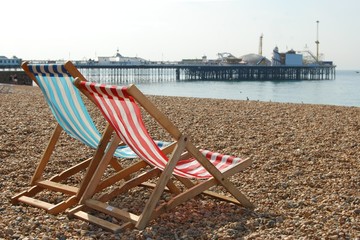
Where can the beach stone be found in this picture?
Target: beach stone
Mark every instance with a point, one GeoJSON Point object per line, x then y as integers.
{"type": "Point", "coordinates": [9, 231]}
{"type": "Point", "coordinates": [271, 224]}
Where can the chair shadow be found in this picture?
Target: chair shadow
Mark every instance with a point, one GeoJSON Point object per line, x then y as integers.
{"type": "Point", "coordinates": [199, 218]}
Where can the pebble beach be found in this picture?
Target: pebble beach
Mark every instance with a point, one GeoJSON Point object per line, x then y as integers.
{"type": "Point", "coordinates": [304, 180]}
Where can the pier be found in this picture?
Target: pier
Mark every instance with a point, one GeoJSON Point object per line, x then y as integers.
{"type": "Point", "coordinates": [180, 72]}
{"type": "Point", "coordinates": [125, 74]}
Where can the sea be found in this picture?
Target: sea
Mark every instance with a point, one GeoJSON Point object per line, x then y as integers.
{"type": "Point", "coordinates": [344, 90]}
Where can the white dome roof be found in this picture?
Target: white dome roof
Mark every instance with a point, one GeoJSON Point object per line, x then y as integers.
{"type": "Point", "coordinates": [255, 59]}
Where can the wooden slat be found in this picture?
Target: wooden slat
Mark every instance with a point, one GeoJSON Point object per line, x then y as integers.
{"type": "Point", "coordinates": [78, 208]}
{"type": "Point", "coordinates": [181, 198]}
{"type": "Point", "coordinates": [137, 181]}
{"type": "Point", "coordinates": [221, 197]}
{"type": "Point", "coordinates": [116, 165]}
{"type": "Point", "coordinates": [62, 206]}
{"type": "Point", "coordinates": [112, 211]}
{"type": "Point", "coordinates": [98, 221]}
{"type": "Point", "coordinates": [30, 192]}
{"type": "Point", "coordinates": [172, 187]}
{"type": "Point", "coordinates": [35, 202]}
{"type": "Point", "coordinates": [123, 174]}
{"type": "Point", "coordinates": [187, 182]}
{"type": "Point", "coordinates": [174, 190]}
{"type": "Point", "coordinates": [71, 171]}
{"type": "Point", "coordinates": [58, 187]}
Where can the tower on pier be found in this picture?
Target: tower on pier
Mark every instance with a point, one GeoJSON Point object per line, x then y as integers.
{"type": "Point", "coordinates": [317, 41]}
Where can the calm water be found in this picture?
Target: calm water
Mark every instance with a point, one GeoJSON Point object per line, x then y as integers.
{"type": "Point", "coordinates": [344, 90]}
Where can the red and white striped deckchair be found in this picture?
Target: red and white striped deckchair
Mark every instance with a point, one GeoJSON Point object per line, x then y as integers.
{"type": "Point", "coordinates": [120, 107]}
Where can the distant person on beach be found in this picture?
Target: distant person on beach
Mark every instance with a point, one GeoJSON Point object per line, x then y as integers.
{"type": "Point", "coordinates": [14, 79]}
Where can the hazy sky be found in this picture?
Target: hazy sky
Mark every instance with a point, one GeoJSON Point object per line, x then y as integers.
{"type": "Point", "coordinates": [172, 30]}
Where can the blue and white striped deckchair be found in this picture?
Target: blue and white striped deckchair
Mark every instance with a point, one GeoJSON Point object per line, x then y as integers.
{"type": "Point", "coordinates": [67, 106]}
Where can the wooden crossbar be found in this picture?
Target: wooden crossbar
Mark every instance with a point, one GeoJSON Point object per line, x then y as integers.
{"type": "Point", "coordinates": [115, 228]}
{"type": "Point", "coordinates": [115, 212]}
{"type": "Point", "coordinates": [55, 186]}
{"type": "Point", "coordinates": [35, 202]}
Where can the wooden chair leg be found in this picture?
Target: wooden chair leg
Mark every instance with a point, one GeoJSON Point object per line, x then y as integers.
{"type": "Point", "coordinates": [98, 173]}
{"type": "Point", "coordinates": [161, 184]}
{"type": "Point", "coordinates": [97, 159]}
{"type": "Point", "coordinates": [46, 156]}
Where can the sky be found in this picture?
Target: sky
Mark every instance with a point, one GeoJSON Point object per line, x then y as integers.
{"type": "Point", "coordinates": [172, 30]}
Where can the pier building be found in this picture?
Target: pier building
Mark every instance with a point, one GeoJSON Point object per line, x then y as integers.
{"type": "Point", "coordinates": [10, 63]}
{"type": "Point", "coordinates": [118, 59]}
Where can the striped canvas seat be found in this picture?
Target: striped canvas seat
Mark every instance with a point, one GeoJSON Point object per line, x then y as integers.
{"type": "Point", "coordinates": [181, 168]}
{"type": "Point", "coordinates": [121, 110]}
